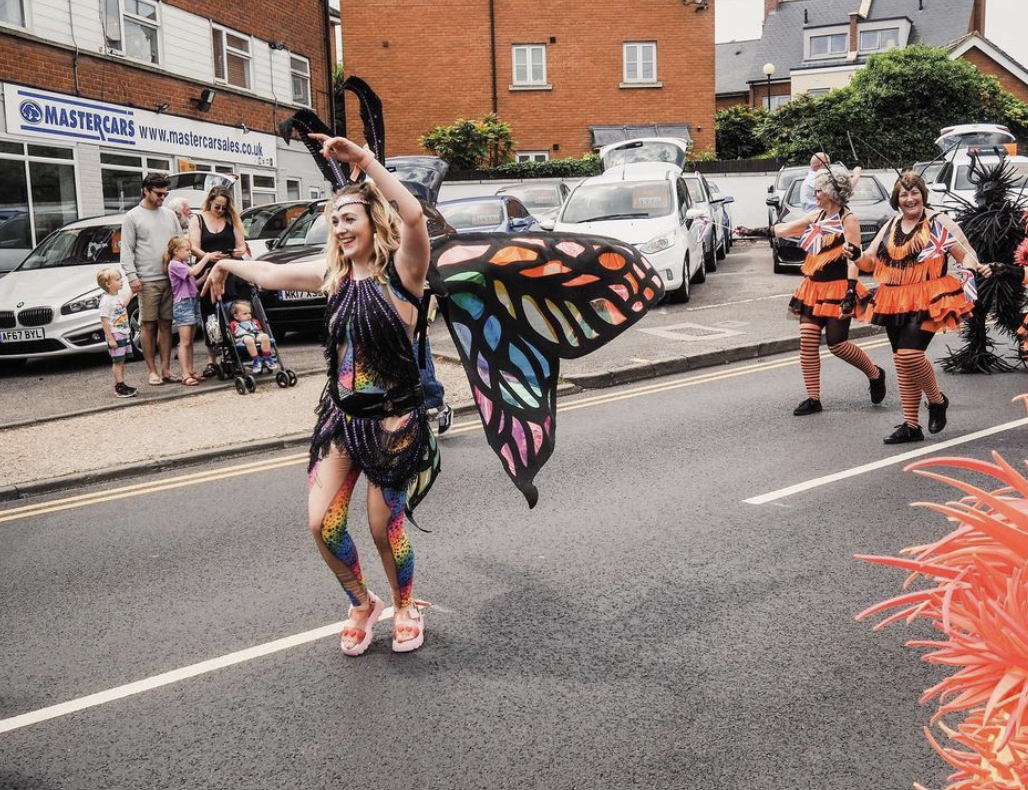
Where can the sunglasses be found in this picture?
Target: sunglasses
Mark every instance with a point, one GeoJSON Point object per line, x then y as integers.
{"type": "Point", "coordinates": [163, 194]}
{"type": "Point", "coordinates": [218, 208]}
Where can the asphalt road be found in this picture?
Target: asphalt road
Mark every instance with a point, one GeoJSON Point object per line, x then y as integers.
{"type": "Point", "coordinates": [643, 627]}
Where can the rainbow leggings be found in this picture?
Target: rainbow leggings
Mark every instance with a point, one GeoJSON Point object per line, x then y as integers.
{"type": "Point", "coordinates": [340, 543]}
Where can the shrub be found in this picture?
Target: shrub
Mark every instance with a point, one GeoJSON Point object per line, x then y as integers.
{"type": "Point", "coordinates": [736, 132]}
{"type": "Point", "coordinates": [467, 145]}
{"type": "Point", "coordinates": [588, 165]}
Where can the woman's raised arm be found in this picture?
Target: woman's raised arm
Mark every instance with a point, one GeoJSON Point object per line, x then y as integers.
{"type": "Point", "coordinates": [307, 276]}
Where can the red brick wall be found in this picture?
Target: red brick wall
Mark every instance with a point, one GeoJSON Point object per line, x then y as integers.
{"type": "Point", "coordinates": [987, 65]}
{"type": "Point", "coordinates": [50, 68]}
{"type": "Point", "coordinates": [724, 102]}
{"type": "Point", "coordinates": [436, 67]}
{"type": "Point", "coordinates": [758, 91]}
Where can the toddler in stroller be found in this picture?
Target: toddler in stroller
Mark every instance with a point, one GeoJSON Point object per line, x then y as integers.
{"type": "Point", "coordinates": [248, 334]}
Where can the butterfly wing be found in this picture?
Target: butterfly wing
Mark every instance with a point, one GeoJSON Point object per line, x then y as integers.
{"type": "Point", "coordinates": [515, 306]}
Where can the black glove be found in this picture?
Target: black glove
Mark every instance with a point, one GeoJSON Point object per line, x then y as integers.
{"type": "Point", "coordinates": [849, 301]}
{"type": "Point", "coordinates": [853, 252]}
{"type": "Point", "coordinates": [1007, 271]}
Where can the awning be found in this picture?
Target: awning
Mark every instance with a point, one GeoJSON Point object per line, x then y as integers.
{"type": "Point", "coordinates": [605, 135]}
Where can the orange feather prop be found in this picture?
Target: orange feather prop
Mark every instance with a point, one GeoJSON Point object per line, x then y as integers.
{"type": "Point", "coordinates": [976, 595]}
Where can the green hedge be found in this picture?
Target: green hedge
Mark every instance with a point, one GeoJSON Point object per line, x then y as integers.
{"type": "Point", "coordinates": [588, 165]}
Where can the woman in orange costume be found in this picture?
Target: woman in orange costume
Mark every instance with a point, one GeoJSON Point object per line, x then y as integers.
{"type": "Point", "coordinates": [917, 297]}
{"type": "Point", "coordinates": [829, 292]}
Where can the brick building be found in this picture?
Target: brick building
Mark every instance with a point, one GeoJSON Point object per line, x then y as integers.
{"type": "Point", "coordinates": [567, 76]}
{"type": "Point", "coordinates": [97, 92]}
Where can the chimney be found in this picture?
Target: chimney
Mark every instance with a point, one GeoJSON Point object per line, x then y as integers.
{"type": "Point", "coordinates": [770, 6]}
{"type": "Point", "coordinates": [977, 23]}
{"type": "Point", "coordinates": [854, 36]}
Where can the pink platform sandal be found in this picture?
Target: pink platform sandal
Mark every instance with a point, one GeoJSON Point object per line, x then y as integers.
{"type": "Point", "coordinates": [367, 632]}
{"type": "Point", "coordinates": [415, 619]}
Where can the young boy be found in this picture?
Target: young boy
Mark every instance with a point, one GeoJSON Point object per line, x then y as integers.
{"type": "Point", "coordinates": [114, 319]}
{"type": "Point", "coordinates": [248, 332]}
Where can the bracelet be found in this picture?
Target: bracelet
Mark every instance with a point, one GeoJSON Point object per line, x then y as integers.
{"type": "Point", "coordinates": [366, 160]}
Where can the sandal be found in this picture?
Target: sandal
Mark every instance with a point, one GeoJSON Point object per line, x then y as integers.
{"type": "Point", "coordinates": [171, 378]}
{"type": "Point", "coordinates": [415, 619]}
{"type": "Point", "coordinates": [154, 380]}
{"type": "Point", "coordinates": [209, 371]}
{"type": "Point", "coordinates": [351, 630]}
{"type": "Point", "coordinates": [190, 381]}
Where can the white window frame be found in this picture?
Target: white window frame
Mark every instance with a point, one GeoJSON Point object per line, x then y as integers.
{"type": "Point", "coordinates": [247, 186]}
{"type": "Point", "coordinates": [124, 19]}
{"type": "Point", "coordinates": [24, 14]}
{"type": "Point", "coordinates": [639, 78]}
{"type": "Point", "coordinates": [830, 55]}
{"type": "Point", "coordinates": [776, 101]}
{"type": "Point", "coordinates": [304, 75]}
{"type": "Point", "coordinates": [314, 193]}
{"type": "Point", "coordinates": [877, 33]}
{"type": "Point", "coordinates": [299, 188]}
{"type": "Point", "coordinates": [528, 81]}
{"type": "Point", "coordinates": [223, 32]}
{"type": "Point", "coordinates": [26, 157]}
{"type": "Point", "coordinates": [141, 169]}
{"type": "Point", "coordinates": [815, 92]}
{"type": "Point", "coordinates": [532, 156]}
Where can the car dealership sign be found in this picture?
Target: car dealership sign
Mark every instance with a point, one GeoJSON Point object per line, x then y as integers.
{"type": "Point", "coordinates": [57, 116]}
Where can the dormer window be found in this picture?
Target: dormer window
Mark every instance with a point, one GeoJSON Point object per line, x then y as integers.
{"type": "Point", "coordinates": [828, 46]}
{"type": "Point", "coordinates": [879, 40]}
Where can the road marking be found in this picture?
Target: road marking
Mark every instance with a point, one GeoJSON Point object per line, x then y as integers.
{"type": "Point", "coordinates": [196, 478]}
{"type": "Point", "coordinates": [689, 331]}
{"type": "Point", "coordinates": [744, 301]}
{"type": "Point", "coordinates": [931, 449]}
{"type": "Point", "coordinates": [175, 675]}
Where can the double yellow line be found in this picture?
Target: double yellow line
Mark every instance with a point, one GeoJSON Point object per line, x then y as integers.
{"type": "Point", "coordinates": [295, 459]}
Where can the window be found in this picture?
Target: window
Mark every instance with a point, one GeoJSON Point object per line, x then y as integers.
{"type": "Point", "coordinates": [257, 190]}
{"type": "Point", "coordinates": [12, 12]}
{"type": "Point", "coordinates": [827, 46]}
{"type": "Point", "coordinates": [231, 57]}
{"type": "Point", "coordinates": [776, 102]}
{"type": "Point", "coordinates": [529, 64]}
{"type": "Point", "coordinates": [131, 27]}
{"type": "Point", "coordinates": [37, 196]}
{"type": "Point", "coordinates": [300, 70]}
{"type": "Point", "coordinates": [533, 156]}
{"type": "Point", "coordinates": [640, 62]}
{"type": "Point", "coordinates": [878, 40]}
{"type": "Point", "coordinates": [292, 189]}
{"type": "Point", "coordinates": [314, 193]}
{"type": "Point", "coordinates": [121, 178]}
{"type": "Point", "coordinates": [815, 92]}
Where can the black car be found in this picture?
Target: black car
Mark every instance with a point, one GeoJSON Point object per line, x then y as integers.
{"type": "Point", "coordinates": [870, 202]}
{"type": "Point", "coordinates": [305, 240]}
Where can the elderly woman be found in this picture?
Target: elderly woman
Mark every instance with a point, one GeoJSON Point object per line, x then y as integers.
{"type": "Point", "coordinates": [917, 297]}
{"type": "Point", "coordinates": [829, 293]}
{"type": "Point", "coordinates": [217, 229]}
{"type": "Point", "coordinates": [183, 211]}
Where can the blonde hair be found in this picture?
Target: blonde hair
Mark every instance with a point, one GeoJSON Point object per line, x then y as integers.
{"type": "Point", "coordinates": [217, 192]}
{"type": "Point", "coordinates": [104, 277]}
{"type": "Point", "coordinates": [241, 303]}
{"type": "Point", "coordinates": [385, 228]}
{"type": "Point", "coordinates": [835, 182]}
{"type": "Point", "coordinates": [173, 244]}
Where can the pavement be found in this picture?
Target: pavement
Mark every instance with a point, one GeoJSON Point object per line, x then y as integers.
{"type": "Point", "coordinates": [645, 626]}
{"type": "Point", "coordinates": [61, 425]}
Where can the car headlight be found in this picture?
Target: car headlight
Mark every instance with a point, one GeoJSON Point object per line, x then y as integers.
{"type": "Point", "coordinates": [88, 301]}
{"type": "Point", "coordinates": [659, 244]}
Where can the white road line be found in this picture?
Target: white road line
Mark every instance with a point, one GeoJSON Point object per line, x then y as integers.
{"type": "Point", "coordinates": [174, 676]}
{"type": "Point", "coordinates": [931, 449]}
{"type": "Point", "coordinates": [731, 304]}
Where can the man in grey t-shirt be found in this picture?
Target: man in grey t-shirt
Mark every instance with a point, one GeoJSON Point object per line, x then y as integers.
{"type": "Point", "coordinates": [145, 233]}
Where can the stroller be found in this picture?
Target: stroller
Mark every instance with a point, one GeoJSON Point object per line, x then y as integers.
{"type": "Point", "coordinates": [234, 360]}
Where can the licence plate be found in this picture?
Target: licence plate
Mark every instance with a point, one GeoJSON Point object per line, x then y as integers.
{"type": "Point", "coordinates": [297, 296]}
{"type": "Point", "coordinates": [21, 335]}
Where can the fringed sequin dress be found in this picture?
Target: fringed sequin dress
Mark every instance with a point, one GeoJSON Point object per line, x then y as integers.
{"type": "Point", "coordinates": [824, 285]}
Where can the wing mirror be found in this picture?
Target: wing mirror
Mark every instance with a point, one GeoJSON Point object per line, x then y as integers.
{"type": "Point", "coordinates": [694, 214]}
{"type": "Point", "coordinates": [938, 186]}
{"type": "Point", "coordinates": [547, 224]}
{"type": "Point", "coordinates": [272, 244]}
{"type": "Point", "coordinates": [773, 202]}
{"type": "Point", "coordinates": [770, 188]}
{"type": "Point", "coordinates": [727, 199]}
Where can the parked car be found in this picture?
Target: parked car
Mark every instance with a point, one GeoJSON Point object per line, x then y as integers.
{"type": "Point", "coordinates": [502, 213]}
{"type": "Point", "coordinates": [542, 199]}
{"type": "Point", "coordinates": [669, 150]}
{"type": "Point", "coordinates": [724, 213]}
{"type": "Point", "coordinates": [870, 202]}
{"type": "Point", "coordinates": [194, 185]}
{"type": "Point", "coordinates": [777, 188]}
{"type": "Point", "coordinates": [715, 245]}
{"type": "Point", "coordinates": [978, 136]}
{"type": "Point", "coordinates": [50, 304]}
{"type": "Point", "coordinates": [262, 224]}
{"type": "Point", "coordinates": [952, 186]}
{"type": "Point", "coordinates": [648, 206]}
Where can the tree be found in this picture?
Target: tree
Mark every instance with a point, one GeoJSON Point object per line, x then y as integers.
{"type": "Point", "coordinates": [469, 145]}
{"type": "Point", "coordinates": [736, 132]}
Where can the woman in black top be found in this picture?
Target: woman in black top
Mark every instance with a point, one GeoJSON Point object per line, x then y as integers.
{"type": "Point", "coordinates": [216, 229]}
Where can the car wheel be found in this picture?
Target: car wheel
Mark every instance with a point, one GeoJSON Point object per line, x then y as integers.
{"type": "Point", "coordinates": [700, 275]}
{"type": "Point", "coordinates": [135, 341]}
{"type": "Point", "coordinates": [722, 248]}
{"type": "Point", "coordinates": [681, 294]}
{"type": "Point", "coordinates": [779, 269]}
{"type": "Point", "coordinates": [709, 261]}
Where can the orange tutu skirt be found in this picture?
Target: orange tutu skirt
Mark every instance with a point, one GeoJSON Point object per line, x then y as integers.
{"type": "Point", "coordinates": [822, 299]}
{"type": "Point", "coordinates": [940, 305]}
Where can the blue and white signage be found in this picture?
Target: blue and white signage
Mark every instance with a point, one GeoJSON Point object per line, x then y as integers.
{"type": "Point", "coordinates": [55, 116]}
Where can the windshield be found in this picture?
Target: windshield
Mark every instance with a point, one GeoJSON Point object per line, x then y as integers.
{"type": "Point", "coordinates": [976, 140]}
{"type": "Point", "coordinates": [473, 215]}
{"type": "Point", "coordinates": [652, 151]}
{"type": "Point", "coordinates": [695, 190]}
{"type": "Point", "coordinates": [536, 197]}
{"type": "Point", "coordinates": [867, 191]}
{"type": "Point", "coordinates": [77, 247]}
{"type": "Point", "coordinates": [619, 200]}
{"type": "Point", "coordinates": [1020, 169]}
{"type": "Point", "coordinates": [786, 177]}
{"type": "Point", "coordinates": [309, 229]}
{"type": "Point", "coordinates": [199, 180]}
{"type": "Point", "coordinates": [931, 171]}
{"type": "Point", "coordinates": [268, 222]}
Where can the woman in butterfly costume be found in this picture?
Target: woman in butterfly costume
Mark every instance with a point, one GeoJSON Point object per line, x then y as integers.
{"type": "Point", "coordinates": [514, 307]}
{"type": "Point", "coordinates": [829, 294]}
{"type": "Point", "coordinates": [917, 297]}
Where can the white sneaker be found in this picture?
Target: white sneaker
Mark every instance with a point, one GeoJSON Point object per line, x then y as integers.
{"type": "Point", "coordinates": [445, 419]}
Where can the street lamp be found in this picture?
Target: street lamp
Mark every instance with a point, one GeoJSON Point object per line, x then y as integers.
{"type": "Point", "coordinates": [769, 71]}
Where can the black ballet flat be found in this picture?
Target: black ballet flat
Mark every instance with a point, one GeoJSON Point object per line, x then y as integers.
{"type": "Point", "coordinates": [809, 406]}
{"type": "Point", "coordinates": [937, 415]}
{"type": "Point", "coordinates": [877, 387]}
{"type": "Point", "coordinates": [904, 434]}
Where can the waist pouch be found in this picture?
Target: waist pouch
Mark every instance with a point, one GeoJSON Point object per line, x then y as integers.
{"type": "Point", "coordinates": [378, 406]}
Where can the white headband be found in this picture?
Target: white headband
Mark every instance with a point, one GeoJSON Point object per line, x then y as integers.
{"type": "Point", "coordinates": [346, 200]}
